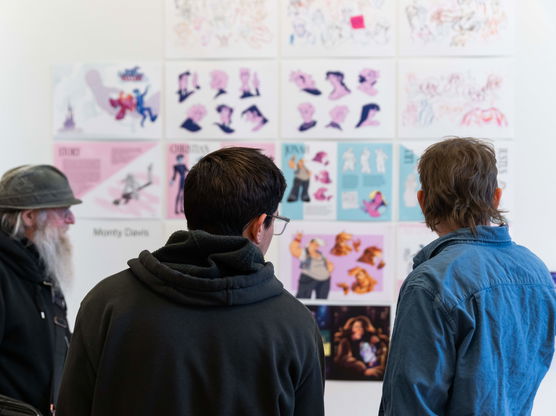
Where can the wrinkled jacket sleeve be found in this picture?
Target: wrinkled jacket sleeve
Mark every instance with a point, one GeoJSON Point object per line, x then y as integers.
{"type": "Point", "coordinates": [309, 396]}
{"type": "Point", "coordinates": [422, 357]}
{"type": "Point", "coordinates": [78, 382]}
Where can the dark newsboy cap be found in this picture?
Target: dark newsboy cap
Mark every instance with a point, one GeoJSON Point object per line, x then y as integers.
{"type": "Point", "coordinates": [34, 187]}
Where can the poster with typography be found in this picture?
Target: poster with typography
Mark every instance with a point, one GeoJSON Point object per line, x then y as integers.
{"type": "Point", "coordinates": [336, 261]}
{"type": "Point", "coordinates": [411, 238]}
{"type": "Point", "coordinates": [455, 27]}
{"type": "Point", "coordinates": [115, 241]}
{"type": "Point", "coordinates": [338, 99]}
{"type": "Point", "coordinates": [114, 179]}
{"type": "Point", "coordinates": [364, 181]}
{"type": "Point", "coordinates": [505, 163]}
{"type": "Point", "coordinates": [107, 101]}
{"type": "Point", "coordinates": [462, 97]}
{"type": "Point", "coordinates": [310, 169]}
{"type": "Point", "coordinates": [409, 154]}
{"type": "Point", "coordinates": [221, 29]}
{"type": "Point", "coordinates": [338, 28]}
{"type": "Point", "coordinates": [356, 340]}
{"type": "Point", "coordinates": [221, 100]}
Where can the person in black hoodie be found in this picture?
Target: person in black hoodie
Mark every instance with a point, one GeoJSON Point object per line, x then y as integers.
{"type": "Point", "coordinates": [201, 326]}
{"type": "Point", "coordinates": [35, 259]}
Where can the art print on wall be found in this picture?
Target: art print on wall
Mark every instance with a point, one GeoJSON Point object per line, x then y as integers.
{"type": "Point", "coordinates": [107, 101]}
{"type": "Point", "coordinates": [114, 179]}
{"type": "Point", "coordinates": [221, 29]}
{"type": "Point", "coordinates": [356, 340]}
{"type": "Point", "coordinates": [338, 28]}
{"type": "Point", "coordinates": [454, 27]}
{"type": "Point", "coordinates": [409, 184]}
{"type": "Point", "coordinates": [461, 97]}
{"type": "Point", "coordinates": [336, 261]}
{"type": "Point", "coordinates": [338, 99]}
{"type": "Point", "coordinates": [221, 100]}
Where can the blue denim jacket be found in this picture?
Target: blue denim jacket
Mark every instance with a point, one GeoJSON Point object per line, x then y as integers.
{"type": "Point", "coordinates": [474, 329]}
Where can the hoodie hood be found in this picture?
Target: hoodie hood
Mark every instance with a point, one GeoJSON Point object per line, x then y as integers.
{"type": "Point", "coordinates": [202, 269]}
{"type": "Point", "coordinates": [21, 257]}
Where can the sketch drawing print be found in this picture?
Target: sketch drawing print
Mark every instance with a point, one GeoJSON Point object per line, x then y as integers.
{"type": "Point", "coordinates": [365, 161]}
{"type": "Point", "coordinates": [219, 82]}
{"type": "Point", "coordinates": [304, 82]}
{"type": "Point", "coordinates": [307, 111]}
{"type": "Point", "coordinates": [225, 112]}
{"type": "Point", "coordinates": [368, 113]}
{"type": "Point", "coordinates": [367, 81]}
{"type": "Point", "coordinates": [375, 205]}
{"type": "Point", "coordinates": [249, 84]}
{"type": "Point", "coordinates": [132, 187]}
{"type": "Point", "coordinates": [338, 115]}
{"type": "Point", "coordinates": [253, 115]}
{"type": "Point", "coordinates": [349, 160]}
{"type": "Point", "coordinates": [339, 88]}
{"type": "Point", "coordinates": [184, 88]}
{"type": "Point", "coordinates": [195, 115]}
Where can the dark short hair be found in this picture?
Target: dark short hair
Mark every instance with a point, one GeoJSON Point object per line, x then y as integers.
{"type": "Point", "coordinates": [229, 187]}
{"type": "Point", "coordinates": [458, 178]}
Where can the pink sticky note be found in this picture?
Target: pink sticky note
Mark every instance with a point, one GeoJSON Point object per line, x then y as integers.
{"type": "Point", "coordinates": [357, 22]}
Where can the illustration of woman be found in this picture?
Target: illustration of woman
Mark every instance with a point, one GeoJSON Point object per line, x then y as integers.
{"type": "Point", "coordinates": [368, 113]}
{"type": "Point", "coordinates": [339, 89]}
{"type": "Point", "coordinates": [361, 350]}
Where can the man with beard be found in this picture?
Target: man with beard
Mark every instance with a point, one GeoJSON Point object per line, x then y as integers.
{"type": "Point", "coordinates": [35, 262]}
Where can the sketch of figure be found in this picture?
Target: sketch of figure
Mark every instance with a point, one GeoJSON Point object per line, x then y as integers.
{"type": "Point", "coordinates": [339, 89]}
{"type": "Point", "coordinates": [321, 157]}
{"type": "Point", "coordinates": [180, 169]}
{"type": "Point", "coordinates": [410, 191]}
{"type": "Point", "coordinates": [365, 160]}
{"type": "Point", "coordinates": [367, 81]}
{"type": "Point", "coordinates": [368, 113]}
{"type": "Point", "coordinates": [246, 82]}
{"type": "Point", "coordinates": [306, 111]}
{"type": "Point", "coordinates": [132, 187]}
{"type": "Point", "coordinates": [194, 116]}
{"type": "Point", "coordinates": [302, 178]}
{"type": "Point", "coordinates": [225, 113]}
{"type": "Point", "coordinates": [304, 82]}
{"type": "Point", "coordinates": [349, 160]}
{"type": "Point", "coordinates": [69, 122]}
{"type": "Point", "coordinates": [219, 82]}
{"type": "Point", "coordinates": [489, 116]}
{"type": "Point", "coordinates": [321, 195]}
{"type": "Point", "coordinates": [381, 158]}
{"type": "Point", "coordinates": [125, 103]}
{"type": "Point", "coordinates": [183, 85]}
{"type": "Point", "coordinates": [374, 207]}
{"type": "Point", "coordinates": [323, 177]}
{"type": "Point", "coordinates": [338, 116]}
{"type": "Point", "coordinates": [141, 108]}
{"type": "Point", "coordinates": [254, 116]}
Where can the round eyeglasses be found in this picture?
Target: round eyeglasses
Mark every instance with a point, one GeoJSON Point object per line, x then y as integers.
{"type": "Point", "coordinates": [280, 224]}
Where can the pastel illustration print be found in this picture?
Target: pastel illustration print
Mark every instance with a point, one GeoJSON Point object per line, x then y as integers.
{"type": "Point", "coordinates": [338, 116]}
{"type": "Point", "coordinates": [374, 204]}
{"type": "Point", "coordinates": [365, 161]}
{"type": "Point", "coordinates": [301, 181]}
{"type": "Point", "coordinates": [219, 82]}
{"type": "Point", "coordinates": [339, 88]}
{"type": "Point", "coordinates": [194, 116]}
{"type": "Point", "coordinates": [307, 111]}
{"type": "Point", "coordinates": [249, 84]}
{"type": "Point", "coordinates": [225, 113]}
{"type": "Point", "coordinates": [254, 116]}
{"type": "Point", "coordinates": [180, 169]}
{"type": "Point", "coordinates": [367, 81]}
{"type": "Point", "coordinates": [184, 87]}
{"type": "Point", "coordinates": [141, 108]}
{"type": "Point", "coordinates": [349, 161]}
{"type": "Point", "coordinates": [132, 187]}
{"type": "Point", "coordinates": [304, 82]}
{"type": "Point", "coordinates": [368, 113]}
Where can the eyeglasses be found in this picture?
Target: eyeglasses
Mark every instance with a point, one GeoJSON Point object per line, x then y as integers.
{"type": "Point", "coordinates": [63, 212]}
{"type": "Point", "coordinates": [280, 224]}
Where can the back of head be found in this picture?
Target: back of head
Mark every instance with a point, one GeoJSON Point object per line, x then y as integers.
{"type": "Point", "coordinates": [229, 187]}
{"type": "Point", "coordinates": [459, 179]}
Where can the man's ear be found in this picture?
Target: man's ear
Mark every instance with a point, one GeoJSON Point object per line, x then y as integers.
{"type": "Point", "coordinates": [29, 217]}
{"type": "Point", "coordinates": [254, 229]}
{"type": "Point", "coordinates": [497, 197]}
{"type": "Point", "coordinates": [421, 198]}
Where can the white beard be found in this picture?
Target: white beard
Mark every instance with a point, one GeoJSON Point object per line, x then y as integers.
{"type": "Point", "coordinates": [55, 250]}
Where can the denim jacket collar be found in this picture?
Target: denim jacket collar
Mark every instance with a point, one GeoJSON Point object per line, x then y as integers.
{"type": "Point", "coordinates": [485, 234]}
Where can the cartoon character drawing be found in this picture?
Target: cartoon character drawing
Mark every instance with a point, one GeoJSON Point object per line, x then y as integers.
{"type": "Point", "coordinates": [183, 85]}
{"type": "Point", "coordinates": [338, 116]}
{"type": "Point", "coordinates": [132, 187]}
{"type": "Point", "coordinates": [225, 113]}
{"type": "Point", "coordinates": [194, 116]}
{"type": "Point", "coordinates": [307, 111]}
{"type": "Point", "coordinates": [321, 195]}
{"type": "Point", "coordinates": [304, 82]}
{"type": "Point", "coordinates": [315, 269]}
{"type": "Point", "coordinates": [125, 103]}
{"type": "Point", "coordinates": [368, 113]}
{"type": "Point", "coordinates": [180, 169]}
{"type": "Point", "coordinates": [365, 161]}
{"type": "Point", "coordinates": [410, 191]}
{"type": "Point", "coordinates": [254, 116]}
{"type": "Point", "coordinates": [339, 89]}
{"type": "Point", "coordinates": [141, 108]}
{"type": "Point", "coordinates": [374, 205]}
{"type": "Point", "coordinates": [69, 123]}
{"type": "Point", "coordinates": [246, 81]}
{"type": "Point", "coordinates": [349, 160]}
{"type": "Point", "coordinates": [373, 256]}
{"type": "Point", "coordinates": [367, 81]}
{"type": "Point", "coordinates": [381, 158]}
{"type": "Point", "coordinates": [342, 245]}
{"type": "Point", "coordinates": [301, 180]}
{"type": "Point", "coordinates": [364, 282]}
{"type": "Point", "coordinates": [321, 157]}
{"type": "Point", "coordinates": [219, 82]}
{"type": "Point", "coordinates": [323, 177]}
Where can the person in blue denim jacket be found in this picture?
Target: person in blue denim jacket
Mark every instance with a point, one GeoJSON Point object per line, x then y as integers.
{"type": "Point", "coordinates": [475, 323]}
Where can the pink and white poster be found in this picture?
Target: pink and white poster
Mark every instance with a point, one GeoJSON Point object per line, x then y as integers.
{"type": "Point", "coordinates": [107, 101]}
{"type": "Point", "coordinates": [336, 261]}
{"type": "Point", "coordinates": [114, 179]}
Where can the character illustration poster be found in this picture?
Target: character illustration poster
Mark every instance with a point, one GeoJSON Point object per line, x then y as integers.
{"type": "Point", "coordinates": [338, 28]}
{"type": "Point", "coordinates": [310, 169]}
{"type": "Point", "coordinates": [114, 179]}
{"type": "Point", "coordinates": [461, 97]}
{"type": "Point", "coordinates": [221, 100]}
{"type": "Point", "coordinates": [409, 154]}
{"type": "Point", "coordinates": [364, 181]}
{"type": "Point", "coordinates": [338, 99]}
{"type": "Point", "coordinates": [221, 29]}
{"type": "Point", "coordinates": [356, 340]}
{"type": "Point", "coordinates": [506, 168]}
{"type": "Point", "coordinates": [455, 27]}
{"type": "Point", "coordinates": [337, 261]}
{"type": "Point", "coordinates": [107, 101]}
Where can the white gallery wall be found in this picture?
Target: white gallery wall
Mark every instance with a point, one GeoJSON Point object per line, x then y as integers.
{"type": "Point", "coordinates": [35, 35]}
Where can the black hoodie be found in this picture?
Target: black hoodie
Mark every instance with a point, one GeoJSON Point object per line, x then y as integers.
{"type": "Point", "coordinates": [200, 327]}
